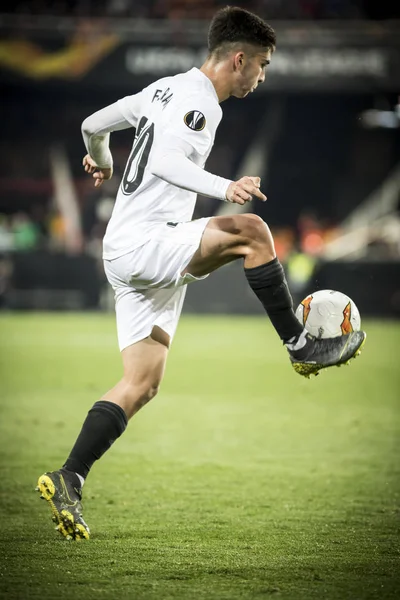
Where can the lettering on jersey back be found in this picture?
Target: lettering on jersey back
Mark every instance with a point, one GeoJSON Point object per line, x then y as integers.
{"type": "Point", "coordinates": [163, 96]}
{"type": "Point", "coordinates": [137, 161]}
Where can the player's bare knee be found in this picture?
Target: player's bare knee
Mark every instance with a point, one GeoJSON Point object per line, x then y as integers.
{"type": "Point", "coordinates": [145, 390]}
{"type": "Point", "coordinates": [137, 395]}
{"type": "Point", "coordinates": [246, 226]}
{"type": "Point", "coordinates": [150, 392]}
{"type": "Point", "coordinates": [256, 233]}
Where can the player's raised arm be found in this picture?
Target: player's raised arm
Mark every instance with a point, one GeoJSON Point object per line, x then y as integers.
{"type": "Point", "coordinates": [96, 131]}
{"type": "Point", "coordinates": [172, 164]}
{"type": "Point", "coordinates": [179, 156]}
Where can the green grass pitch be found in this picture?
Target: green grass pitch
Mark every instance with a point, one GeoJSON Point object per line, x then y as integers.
{"type": "Point", "coordinates": [240, 480]}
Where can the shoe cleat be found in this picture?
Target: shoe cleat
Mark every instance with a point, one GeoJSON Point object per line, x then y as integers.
{"type": "Point", "coordinates": [320, 354]}
{"type": "Point", "coordinates": [64, 498]}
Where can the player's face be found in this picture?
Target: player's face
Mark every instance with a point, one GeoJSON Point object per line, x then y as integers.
{"type": "Point", "coordinates": [250, 71]}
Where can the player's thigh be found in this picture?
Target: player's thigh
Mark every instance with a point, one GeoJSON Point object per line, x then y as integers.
{"type": "Point", "coordinates": [144, 361]}
{"type": "Point", "coordinates": [226, 239]}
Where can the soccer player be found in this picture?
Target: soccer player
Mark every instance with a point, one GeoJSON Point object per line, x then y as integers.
{"type": "Point", "coordinates": [152, 248]}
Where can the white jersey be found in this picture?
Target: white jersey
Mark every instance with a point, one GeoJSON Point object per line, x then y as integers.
{"type": "Point", "coordinates": [183, 109]}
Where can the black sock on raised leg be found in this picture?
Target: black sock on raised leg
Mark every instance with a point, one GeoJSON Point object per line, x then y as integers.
{"type": "Point", "coordinates": [269, 284]}
{"type": "Point", "coordinates": [104, 423]}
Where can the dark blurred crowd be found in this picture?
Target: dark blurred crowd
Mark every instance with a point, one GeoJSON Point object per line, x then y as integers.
{"type": "Point", "coordinates": [204, 9]}
{"type": "Point", "coordinates": [30, 215]}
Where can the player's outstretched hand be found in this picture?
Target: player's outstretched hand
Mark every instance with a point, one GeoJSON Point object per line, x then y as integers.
{"type": "Point", "coordinates": [244, 189]}
{"type": "Point", "coordinates": [99, 175]}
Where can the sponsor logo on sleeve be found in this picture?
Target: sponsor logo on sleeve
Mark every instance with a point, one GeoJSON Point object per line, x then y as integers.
{"type": "Point", "coordinates": [195, 120]}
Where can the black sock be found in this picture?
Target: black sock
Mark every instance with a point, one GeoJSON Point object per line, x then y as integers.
{"type": "Point", "coordinates": [104, 423]}
{"type": "Point", "coordinates": [269, 284]}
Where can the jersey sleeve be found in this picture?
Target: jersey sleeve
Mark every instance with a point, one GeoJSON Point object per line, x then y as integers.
{"type": "Point", "coordinates": [195, 122]}
{"type": "Point", "coordinates": [171, 162]}
{"type": "Point", "coordinates": [131, 107]}
{"type": "Point", "coordinates": [96, 131]}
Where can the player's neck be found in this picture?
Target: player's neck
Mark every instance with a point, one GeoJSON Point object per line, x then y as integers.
{"type": "Point", "coordinates": [217, 75]}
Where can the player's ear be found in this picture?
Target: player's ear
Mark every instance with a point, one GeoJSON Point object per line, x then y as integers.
{"type": "Point", "coordinates": [238, 60]}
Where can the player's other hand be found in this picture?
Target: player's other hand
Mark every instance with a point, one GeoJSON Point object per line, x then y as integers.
{"type": "Point", "coordinates": [244, 189]}
{"type": "Point", "coordinates": [99, 175]}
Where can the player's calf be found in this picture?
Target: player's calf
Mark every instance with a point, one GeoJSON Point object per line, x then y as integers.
{"type": "Point", "coordinates": [268, 282]}
{"type": "Point", "coordinates": [249, 237]}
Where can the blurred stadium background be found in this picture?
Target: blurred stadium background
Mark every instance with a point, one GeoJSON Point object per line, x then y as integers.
{"type": "Point", "coordinates": [323, 133]}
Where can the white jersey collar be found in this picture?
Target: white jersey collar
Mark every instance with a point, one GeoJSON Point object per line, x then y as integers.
{"type": "Point", "coordinates": [195, 71]}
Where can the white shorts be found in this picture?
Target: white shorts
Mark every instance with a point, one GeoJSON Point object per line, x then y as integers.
{"type": "Point", "coordinates": [148, 282]}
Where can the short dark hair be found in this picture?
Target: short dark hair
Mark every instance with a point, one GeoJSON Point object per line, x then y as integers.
{"type": "Point", "coordinates": [233, 24]}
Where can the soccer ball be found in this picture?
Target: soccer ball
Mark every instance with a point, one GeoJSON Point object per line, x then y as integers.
{"type": "Point", "coordinates": [328, 313]}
